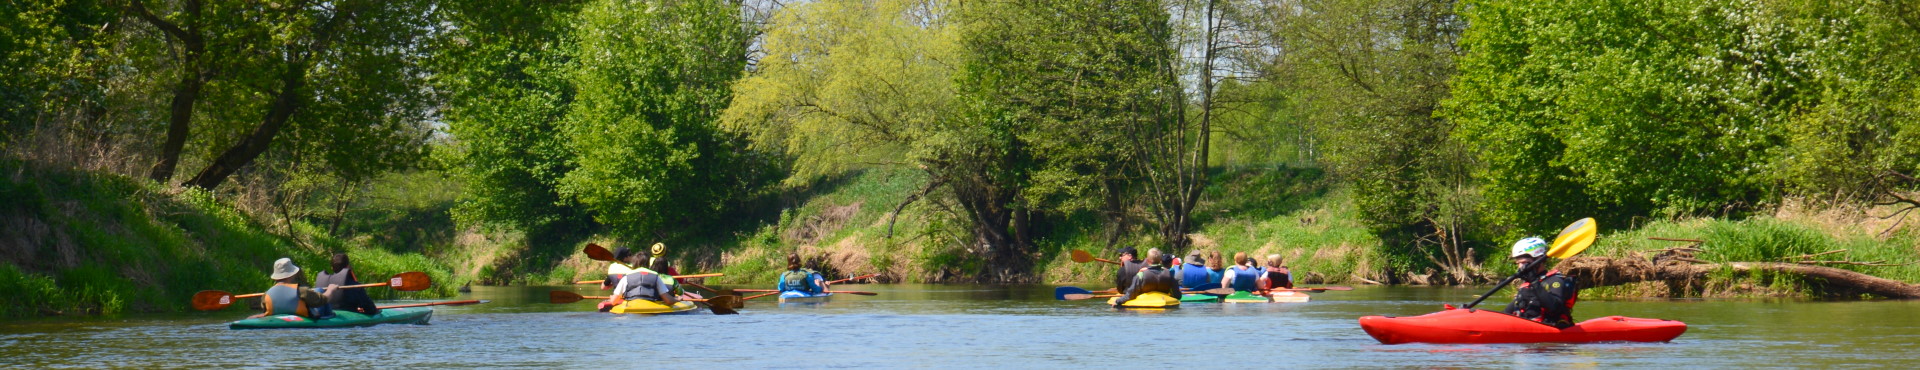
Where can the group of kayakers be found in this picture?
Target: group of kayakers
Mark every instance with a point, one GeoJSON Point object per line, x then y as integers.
{"type": "Point", "coordinates": [291, 295]}
{"type": "Point", "coordinates": [1543, 295]}
{"type": "Point", "coordinates": [642, 275]}
{"type": "Point", "coordinates": [1197, 272]}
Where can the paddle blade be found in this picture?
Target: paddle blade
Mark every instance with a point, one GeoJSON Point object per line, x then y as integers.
{"type": "Point", "coordinates": [411, 281]}
{"type": "Point", "coordinates": [209, 300]}
{"type": "Point", "coordinates": [1062, 292]}
{"type": "Point", "coordinates": [598, 253]}
{"type": "Point", "coordinates": [723, 305]}
{"type": "Point", "coordinates": [1574, 239]}
{"type": "Point", "coordinates": [1080, 256]}
{"type": "Point", "coordinates": [561, 296]}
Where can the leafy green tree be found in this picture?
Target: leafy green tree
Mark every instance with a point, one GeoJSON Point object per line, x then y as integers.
{"type": "Point", "coordinates": [652, 80]}
{"type": "Point", "coordinates": [503, 68]}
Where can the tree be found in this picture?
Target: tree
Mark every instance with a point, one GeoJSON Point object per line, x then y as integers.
{"type": "Point", "coordinates": [503, 67]}
{"type": "Point", "coordinates": [652, 80]}
{"type": "Point", "coordinates": [354, 59]}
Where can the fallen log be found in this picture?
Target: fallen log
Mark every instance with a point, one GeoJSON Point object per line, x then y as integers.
{"type": "Point", "coordinates": [1606, 271]}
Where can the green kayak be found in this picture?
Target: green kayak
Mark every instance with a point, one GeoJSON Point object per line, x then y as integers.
{"type": "Point", "coordinates": [340, 319]}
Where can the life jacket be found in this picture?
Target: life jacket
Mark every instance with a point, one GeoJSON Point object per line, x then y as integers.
{"type": "Point", "coordinates": [1547, 300]}
{"type": "Point", "coordinates": [284, 299]}
{"type": "Point", "coordinates": [798, 280]}
{"type": "Point", "coordinates": [1279, 279]}
{"type": "Point", "coordinates": [1245, 279]}
{"type": "Point", "coordinates": [1127, 271]}
{"type": "Point", "coordinates": [344, 277]}
{"type": "Point", "coordinates": [1155, 279]}
{"type": "Point", "coordinates": [1216, 276]}
{"type": "Point", "coordinates": [1193, 276]}
{"type": "Point", "coordinates": [642, 284]}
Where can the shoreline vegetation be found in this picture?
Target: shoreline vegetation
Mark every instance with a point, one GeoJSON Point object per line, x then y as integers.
{"type": "Point", "coordinates": [150, 149]}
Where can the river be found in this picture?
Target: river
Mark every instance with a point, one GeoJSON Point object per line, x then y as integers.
{"type": "Point", "coordinates": [966, 326]}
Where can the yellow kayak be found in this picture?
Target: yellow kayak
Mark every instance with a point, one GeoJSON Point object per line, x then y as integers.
{"type": "Point", "coordinates": [651, 307]}
{"type": "Point", "coordinates": [1147, 300]}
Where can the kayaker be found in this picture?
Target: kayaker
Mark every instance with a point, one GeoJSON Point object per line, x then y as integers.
{"type": "Point", "coordinates": [1193, 273]}
{"type": "Point", "coordinates": [289, 297]}
{"type": "Point", "coordinates": [659, 252]}
{"type": "Point", "coordinates": [1276, 276]}
{"type": "Point", "coordinates": [1242, 277]}
{"type": "Point", "coordinates": [1153, 278]}
{"type": "Point", "coordinates": [619, 268]}
{"type": "Point", "coordinates": [1216, 267]}
{"type": "Point", "coordinates": [1543, 296]}
{"type": "Point", "coordinates": [1129, 267]}
{"type": "Point", "coordinates": [640, 284]}
{"type": "Point", "coordinates": [799, 278]}
{"type": "Point", "coordinates": [352, 299]}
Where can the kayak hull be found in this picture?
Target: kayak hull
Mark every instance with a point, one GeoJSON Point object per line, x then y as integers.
{"type": "Point", "coordinates": [1275, 297]}
{"type": "Point", "coordinates": [794, 296]}
{"type": "Point", "coordinates": [1481, 326]}
{"type": "Point", "coordinates": [1151, 300]}
{"type": "Point", "coordinates": [340, 319]}
{"type": "Point", "coordinates": [644, 307]}
{"type": "Point", "coordinates": [1199, 298]}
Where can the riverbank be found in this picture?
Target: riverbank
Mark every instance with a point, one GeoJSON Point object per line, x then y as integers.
{"type": "Point", "coordinates": [81, 243]}
{"type": "Point", "coordinates": [842, 228]}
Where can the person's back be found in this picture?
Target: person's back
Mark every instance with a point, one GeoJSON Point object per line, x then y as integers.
{"type": "Point", "coordinates": [288, 297]}
{"type": "Point", "coordinates": [1193, 275]}
{"type": "Point", "coordinates": [642, 285]}
{"type": "Point", "coordinates": [352, 299]}
{"type": "Point", "coordinates": [1244, 278]}
{"type": "Point", "coordinates": [801, 280]}
{"type": "Point", "coordinates": [1153, 278]}
{"type": "Point", "coordinates": [1276, 275]}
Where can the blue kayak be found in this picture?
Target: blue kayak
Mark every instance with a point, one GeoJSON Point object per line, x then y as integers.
{"type": "Point", "coordinates": [795, 296]}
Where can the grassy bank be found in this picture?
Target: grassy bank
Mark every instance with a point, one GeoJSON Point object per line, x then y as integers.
{"type": "Point", "coordinates": [84, 243]}
{"type": "Point", "coordinates": [1789, 233]}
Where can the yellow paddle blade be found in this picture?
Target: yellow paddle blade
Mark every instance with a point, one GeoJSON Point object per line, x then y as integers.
{"type": "Point", "coordinates": [1574, 239]}
{"type": "Point", "coordinates": [1080, 256]}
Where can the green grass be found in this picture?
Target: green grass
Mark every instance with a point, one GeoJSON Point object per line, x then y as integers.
{"type": "Point", "coordinates": [110, 244]}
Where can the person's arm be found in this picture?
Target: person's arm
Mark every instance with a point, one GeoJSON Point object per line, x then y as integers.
{"type": "Point", "coordinates": [666, 294]}
{"type": "Point", "coordinates": [619, 293]}
{"type": "Point", "coordinates": [1264, 282]}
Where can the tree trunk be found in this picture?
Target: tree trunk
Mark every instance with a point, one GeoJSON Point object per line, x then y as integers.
{"type": "Point", "coordinates": [293, 92]}
{"type": "Point", "coordinates": [187, 91]}
{"type": "Point", "coordinates": [1604, 271]}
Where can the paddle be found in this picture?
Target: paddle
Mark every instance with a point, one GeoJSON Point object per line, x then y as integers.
{"type": "Point", "coordinates": [1062, 292]}
{"type": "Point", "coordinates": [1076, 297]}
{"type": "Point", "coordinates": [1572, 240]}
{"type": "Point", "coordinates": [867, 276]}
{"type": "Point", "coordinates": [599, 253]}
{"type": "Point", "coordinates": [1080, 256]}
{"type": "Point", "coordinates": [689, 276]}
{"type": "Point", "coordinates": [722, 305]}
{"type": "Point", "coordinates": [209, 300]}
{"type": "Point", "coordinates": [441, 303]}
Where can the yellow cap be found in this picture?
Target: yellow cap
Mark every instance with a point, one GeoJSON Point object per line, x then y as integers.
{"type": "Point", "coordinates": [659, 249]}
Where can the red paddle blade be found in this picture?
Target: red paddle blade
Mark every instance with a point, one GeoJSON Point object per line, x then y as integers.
{"type": "Point", "coordinates": [598, 253]}
{"type": "Point", "coordinates": [1080, 256]}
{"type": "Point", "coordinates": [209, 300]}
{"type": "Point", "coordinates": [411, 281]}
{"type": "Point", "coordinates": [561, 296]}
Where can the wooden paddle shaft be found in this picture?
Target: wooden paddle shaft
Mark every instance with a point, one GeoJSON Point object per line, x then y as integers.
{"type": "Point", "coordinates": [252, 295]}
{"type": "Point", "coordinates": [445, 303]}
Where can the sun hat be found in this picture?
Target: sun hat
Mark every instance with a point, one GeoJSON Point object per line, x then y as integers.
{"type": "Point", "coordinates": [284, 268]}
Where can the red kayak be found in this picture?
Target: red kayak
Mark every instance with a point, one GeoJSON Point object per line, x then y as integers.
{"type": "Point", "coordinates": [1481, 326]}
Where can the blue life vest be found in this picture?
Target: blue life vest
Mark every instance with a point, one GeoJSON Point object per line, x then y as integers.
{"type": "Point", "coordinates": [1193, 276]}
{"type": "Point", "coordinates": [799, 280]}
{"type": "Point", "coordinates": [284, 300]}
{"type": "Point", "coordinates": [1215, 276]}
{"type": "Point", "coordinates": [1245, 279]}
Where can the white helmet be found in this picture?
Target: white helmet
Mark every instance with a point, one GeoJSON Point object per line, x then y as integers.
{"type": "Point", "coordinates": [1531, 246]}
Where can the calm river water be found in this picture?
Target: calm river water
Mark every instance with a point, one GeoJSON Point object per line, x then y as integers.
{"type": "Point", "coordinates": [959, 326]}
